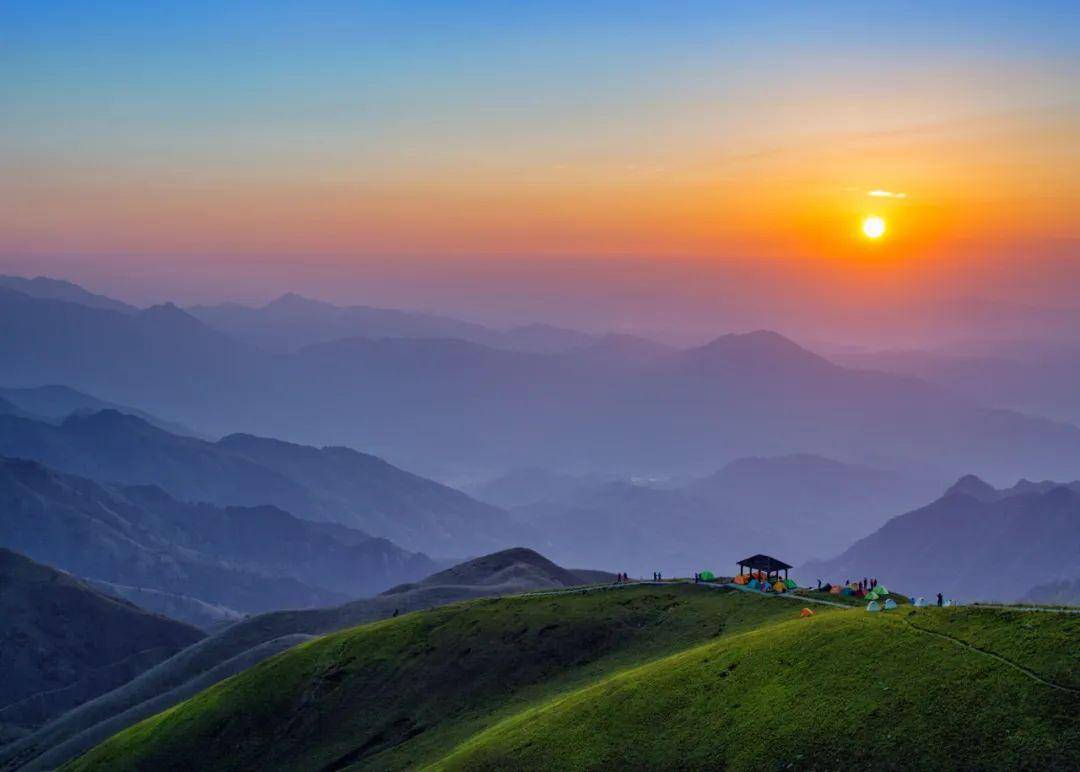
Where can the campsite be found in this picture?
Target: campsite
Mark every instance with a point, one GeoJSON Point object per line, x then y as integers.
{"type": "Point", "coordinates": [492, 683]}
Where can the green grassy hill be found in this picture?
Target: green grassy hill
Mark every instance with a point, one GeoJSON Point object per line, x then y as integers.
{"type": "Point", "coordinates": [658, 677]}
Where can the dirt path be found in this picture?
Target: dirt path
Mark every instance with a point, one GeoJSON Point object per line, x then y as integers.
{"type": "Point", "coordinates": [993, 655]}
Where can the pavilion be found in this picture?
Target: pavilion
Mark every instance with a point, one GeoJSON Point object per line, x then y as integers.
{"type": "Point", "coordinates": [767, 565]}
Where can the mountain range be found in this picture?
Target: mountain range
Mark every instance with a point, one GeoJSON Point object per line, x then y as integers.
{"type": "Point", "coordinates": [334, 485]}
{"type": "Point", "coordinates": [795, 507]}
{"type": "Point", "coordinates": [454, 408]}
{"type": "Point", "coordinates": [976, 542]}
{"type": "Point", "coordinates": [292, 321]}
{"type": "Point", "coordinates": [244, 558]}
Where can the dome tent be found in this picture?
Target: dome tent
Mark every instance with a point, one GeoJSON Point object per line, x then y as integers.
{"type": "Point", "coordinates": [791, 584]}
{"type": "Point", "coordinates": [890, 604]}
{"type": "Point", "coordinates": [919, 602]}
{"type": "Point", "coordinates": [780, 587]}
{"type": "Point", "coordinates": [873, 606]}
{"type": "Point", "coordinates": [707, 576]}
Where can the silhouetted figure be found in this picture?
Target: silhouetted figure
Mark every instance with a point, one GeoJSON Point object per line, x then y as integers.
{"type": "Point", "coordinates": [395, 612]}
{"type": "Point", "coordinates": [873, 583]}
{"type": "Point", "coordinates": [819, 584]}
{"type": "Point", "coordinates": [940, 600]}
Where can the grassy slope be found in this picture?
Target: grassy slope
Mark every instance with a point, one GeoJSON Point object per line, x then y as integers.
{"type": "Point", "coordinates": [846, 690]}
{"type": "Point", "coordinates": [398, 693]}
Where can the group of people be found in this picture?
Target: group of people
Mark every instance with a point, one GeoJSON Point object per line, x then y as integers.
{"type": "Point", "coordinates": [864, 586]}
{"type": "Point", "coordinates": [621, 578]}
{"type": "Point", "coordinates": [657, 576]}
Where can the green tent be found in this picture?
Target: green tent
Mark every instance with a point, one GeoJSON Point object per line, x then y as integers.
{"type": "Point", "coordinates": [791, 584]}
{"type": "Point", "coordinates": [881, 591]}
{"type": "Point", "coordinates": [707, 576]}
{"type": "Point", "coordinates": [872, 595]}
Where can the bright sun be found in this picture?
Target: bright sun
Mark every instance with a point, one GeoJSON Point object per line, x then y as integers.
{"type": "Point", "coordinates": [873, 227]}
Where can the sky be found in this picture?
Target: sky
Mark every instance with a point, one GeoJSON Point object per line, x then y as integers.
{"type": "Point", "coordinates": [607, 164]}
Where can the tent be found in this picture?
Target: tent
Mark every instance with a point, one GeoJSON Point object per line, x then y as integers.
{"type": "Point", "coordinates": [740, 580]}
{"type": "Point", "coordinates": [881, 591]}
{"type": "Point", "coordinates": [825, 587]}
{"type": "Point", "coordinates": [780, 587]}
{"type": "Point", "coordinates": [872, 595]}
{"type": "Point", "coordinates": [806, 613]}
{"type": "Point", "coordinates": [873, 606]}
{"type": "Point", "coordinates": [707, 576]}
{"type": "Point", "coordinates": [752, 584]}
{"type": "Point", "coordinates": [920, 602]}
{"type": "Point", "coordinates": [835, 590]}
{"type": "Point", "coordinates": [791, 584]}
{"type": "Point", "coordinates": [847, 591]}
{"type": "Point", "coordinates": [890, 604]}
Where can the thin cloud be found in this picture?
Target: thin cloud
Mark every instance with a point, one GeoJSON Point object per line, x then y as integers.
{"type": "Point", "coordinates": [885, 194]}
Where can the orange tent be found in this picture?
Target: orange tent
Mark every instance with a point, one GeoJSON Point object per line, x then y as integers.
{"type": "Point", "coordinates": [806, 613]}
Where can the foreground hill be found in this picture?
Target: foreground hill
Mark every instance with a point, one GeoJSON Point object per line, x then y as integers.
{"type": "Point", "coordinates": [62, 642]}
{"type": "Point", "coordinates": [249, 559]}
{"type": "Point", "coordinates": [974, 543]}
{"type": "Point", "coordinates": [641, 677]}
{"type": "Point", "coordinates": [255, 639]}
{"type": "Point", "coordinates": [327, 484]}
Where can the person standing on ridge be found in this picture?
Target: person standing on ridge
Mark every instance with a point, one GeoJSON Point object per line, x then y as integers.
{"type": "Point", "coordinates": [939, 600]}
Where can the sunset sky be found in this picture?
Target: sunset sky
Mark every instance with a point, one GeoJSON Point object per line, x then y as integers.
{"type": "Point", "coordinates": [450, 155]}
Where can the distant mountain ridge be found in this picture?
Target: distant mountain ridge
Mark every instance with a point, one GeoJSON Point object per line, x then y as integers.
{"type": "Point", "coordinates": [329, 484]}
{"type": "Point", "coordinates": [974, 543]}
{"type": "Point", "coordinates": [57, 289]}
{"type": "Point", "coordinates": [451, 408]}
{"type": "Point", "coordinates": [291, 322]}
{"type": "Point", "coordinates": [244, 558]}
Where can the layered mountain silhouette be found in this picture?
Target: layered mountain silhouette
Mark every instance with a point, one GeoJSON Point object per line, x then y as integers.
{"type": "Point", "coordinates": [326, 484]}
{"type": "Point", "coordinates": [63, 642]}
{"type": "Point", "coordinates": [243, 558]}
{"type": "Point", "coordinates": [292, 321]}
{"type": "Point", "coordinates": [974, 543]}
{"type": "Point", "coordinates": [797, 506]}
{"type": "Point", "coordinates": [54, 403]}
{"type": "Point", "coordinates": [454, 407]}
{"type": "Point", "coordinates": [46, 288]}
{"type": "Point", "coordinates": [246, 643]}
{"type": "Point", "coordinates": [1032, 376]}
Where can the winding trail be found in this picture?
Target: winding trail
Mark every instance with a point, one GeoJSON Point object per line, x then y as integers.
{"type": "Point", "coordinates": [993, 655]}
{"type": "Point", "coordinates": [957, 641]}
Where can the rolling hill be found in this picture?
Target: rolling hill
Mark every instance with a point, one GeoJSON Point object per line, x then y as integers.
{"type": "Point", "coordinates": [63, 642]}
{"type": "Point", "coordinates": [255, 639]}
{"type": "Point", "coordinates": [640, 677]}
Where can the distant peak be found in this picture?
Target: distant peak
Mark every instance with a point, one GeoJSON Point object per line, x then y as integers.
{"type": "Point", "coordinates": [291, 301]}
{"type": "Point", "coordinates": [975, 487]}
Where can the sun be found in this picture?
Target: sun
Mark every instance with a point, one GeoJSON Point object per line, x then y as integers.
{"type": "Point", "coordinates": [873, 227]}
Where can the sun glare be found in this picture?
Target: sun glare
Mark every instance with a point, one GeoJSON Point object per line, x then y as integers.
{"type": "Point", "coordinates": [873, 227]}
